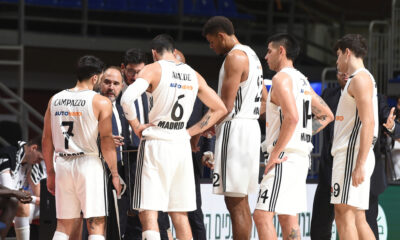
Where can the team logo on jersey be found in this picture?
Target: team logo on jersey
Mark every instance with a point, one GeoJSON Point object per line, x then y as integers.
{"type": "Point", "coordinates": [181, 86]}
{"type": "Point", "coordinates": [66, 113]}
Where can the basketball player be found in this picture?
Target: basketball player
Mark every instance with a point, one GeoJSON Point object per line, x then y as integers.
{"type": "Point", "coordinates": [74, 120]}
{"type": "Point", "coordinates": [21, 168]}
{"type": "Point", "coordinates": [355, 133]}
{"type": "Point", "coordinates": [289, 129]}
{"type": "Point", "coordinates": [238, 136]}
{"type": "Point", "coordinates": [164, 178]}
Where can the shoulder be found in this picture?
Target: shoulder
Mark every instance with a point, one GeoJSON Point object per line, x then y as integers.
{"type": "Point", "coordinates": [101, 101]}
{"type": "Point", "coordinates": [236, 57]}
{"type": "Point", "coordinates": [280, 78]}
{"type": "Point", "coordinates": [362, 81]}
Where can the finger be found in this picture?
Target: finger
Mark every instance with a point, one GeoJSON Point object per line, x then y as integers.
{"type": "Point", "coordinates": [391, 114]}
{"type": "Point", "coordinates": [282, 159]}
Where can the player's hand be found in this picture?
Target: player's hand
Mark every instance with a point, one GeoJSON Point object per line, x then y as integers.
{"type": "Point", "coordinates": [118, 140]}
{"type": "Point", "coordinates": [23, 196]}
{"type": "Point", "coordinates": [209, 133]}
{"type": "Point", "coordinates": [272, 161]}
{"type": "Point", "coordinates": [194, 141]}
{"type": "Point", "coordinates": [117, 184]}
{"type": "Point", "coordinates": [358, 175]}
{"type": "Point", "coordinates": [208, 160]}
{"type": "Point", "coordinates": [390, 120]}
{"type": "Point", "coordinates": [51, 182]}
{"type": "Point", "coordinates": [138, 130]}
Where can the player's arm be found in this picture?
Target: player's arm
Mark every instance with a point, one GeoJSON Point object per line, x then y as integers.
{"type": "Point", "coordinates": [361, 88]}
{"type": "Point", "coordinates": [148, 78]}
{"type": "Point", "coordinates": [35, 189]}
{"type": "Point", "coordinates": [282, 95]}
{"type": "Point", "coordinates": [215, 105]}
{"type": "Point", "coordinates": [321, 111]}
{"type": "Point", "coordinates": [234, 67]}
{"type": "Point", "coordinates": [48, 150]}
{"type": "Point", "coordinates": [264, 97]}
{"type": "Point", "coordinates": [104, 107]}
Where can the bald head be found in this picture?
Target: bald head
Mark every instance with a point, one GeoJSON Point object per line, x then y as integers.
{"type": "Point", "coordinates": [179, 55]}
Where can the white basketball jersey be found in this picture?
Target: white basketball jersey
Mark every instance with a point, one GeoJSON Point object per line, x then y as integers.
{"type": "Point", "coordinates": [73, 124]}
{"type": "Point", "coordinates": [301, 138]}
{"type": "Point", "coordinates": [248, 97]}
{"type": "Point", "coordinates": [173, 102]}
{"type": "Point", "coordinates": [347, 122]}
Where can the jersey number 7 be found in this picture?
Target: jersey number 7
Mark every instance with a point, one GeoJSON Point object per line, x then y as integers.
{"type": "Point", "coordinates": [68, 133]}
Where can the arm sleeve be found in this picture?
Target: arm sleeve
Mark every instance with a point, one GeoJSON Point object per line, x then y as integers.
{"type": "Point", "coordinates": [133, 92]}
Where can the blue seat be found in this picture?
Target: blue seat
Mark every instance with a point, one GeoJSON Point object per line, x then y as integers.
{"type": "Point", "coordinates": [42, 2]}
{"type": "Point", "coordinates": [69, 3]}
{"type": "Point", "coordinates": [199, 7]}
{"type": "Point", "coordinates": [95, 4]}
{"type": "Point", "coordinates": [9, 1]}
{"type": "Point", "coordinates": [227, 8]}
{"type": "Point", "coordinates": [153, 6]}
{"type": "Point", "coordinates": [118, 5]}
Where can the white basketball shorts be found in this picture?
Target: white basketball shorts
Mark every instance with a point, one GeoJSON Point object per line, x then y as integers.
{"type": "Point", "coordinates": [342, 189]}
{"type": "Point", "coordinates": [164, 176]}
{"type": "Point", "coordinates": [80, 186]}
{"type": "Point", "coordinates": [283, 190]}
{"type": "Point", "coordinates": [237, 158]}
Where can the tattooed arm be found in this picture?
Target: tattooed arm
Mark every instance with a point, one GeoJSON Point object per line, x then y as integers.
{"type": "Point", "coordinates": [216, 107]}
{"type": "Point", "coordinates": [322, 113]}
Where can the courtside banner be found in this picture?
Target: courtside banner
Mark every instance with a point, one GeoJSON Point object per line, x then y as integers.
{"type": "Point", "coordinates": [218, 223]}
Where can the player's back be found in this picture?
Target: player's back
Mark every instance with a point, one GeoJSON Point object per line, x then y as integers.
{"type": "Point", "coordinates": [73, 123]}
{"type": "Point", "coordinates": [301, 138]}
{"type": "Point", "coordinates": [173, 102]}
{"type": "Point", "coordinates": [347, 121]}
{"type": "Point", "coordinates": [248, 97]}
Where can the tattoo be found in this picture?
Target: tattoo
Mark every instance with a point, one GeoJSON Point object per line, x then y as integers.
{"type": "Point", "coordinates": [205, 122]}
{"type": "Point", "coordinates": [294, 234]}
{"type": "Point", "coordinates": [316, 125]}
{"type": "Point", "coordinates": [95, 221]}
{"type": "Point", "coordinates": [322, 101]}
{"type": "Point", "coordinates": [315, 110]}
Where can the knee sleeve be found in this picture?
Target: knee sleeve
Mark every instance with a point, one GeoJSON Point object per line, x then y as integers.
{"type": "Point", "coordinates": [60, 236]}
{"type": "Point", "coordinates": [22, 228]}
{"type": "Point", "coordinates": [96, 237]}
{"type": "Point", "coordinates": [151, 235]}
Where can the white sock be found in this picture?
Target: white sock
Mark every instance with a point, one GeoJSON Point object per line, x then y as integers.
{"type": "Point", "coordinates": [151, 235]}
{"type": "Point", "coordinates": [60, 236]}
{"type": "Point", "coordinates": [22, 228]}
{"type": "Point", "coordinates": [96, 237]}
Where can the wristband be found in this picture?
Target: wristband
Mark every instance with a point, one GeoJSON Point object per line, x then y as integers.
{"type": "Point", "coordinates": [34, 198]}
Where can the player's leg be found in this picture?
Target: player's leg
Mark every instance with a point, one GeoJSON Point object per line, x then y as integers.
{"type": "Point", "coordinates": [345, 217]}
{"type": "Point", "coordinates": [239, 211]}
{"type": "Point", "coordinates": [148, 219]}
{"type": "Point", "coordinates": [21, 221]}
{"type": "Point", "coordinates": [7, 214]}
{"type": "Point", "coordinates": [290, 227]}
{"type": "Point", "coordinates": [181, 224]}
{"type": "Point", "coordinates": [65, 228]}
{"type": "Point", "coordinates": [363, 229]}
{"type": "Point", "coordinates": [96, 228]}
{"type": "Point", "coordinates": [264, 223]}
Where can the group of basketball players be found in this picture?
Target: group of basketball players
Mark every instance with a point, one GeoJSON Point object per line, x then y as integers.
{"type": "Point", "coordinates": [77, 117]}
